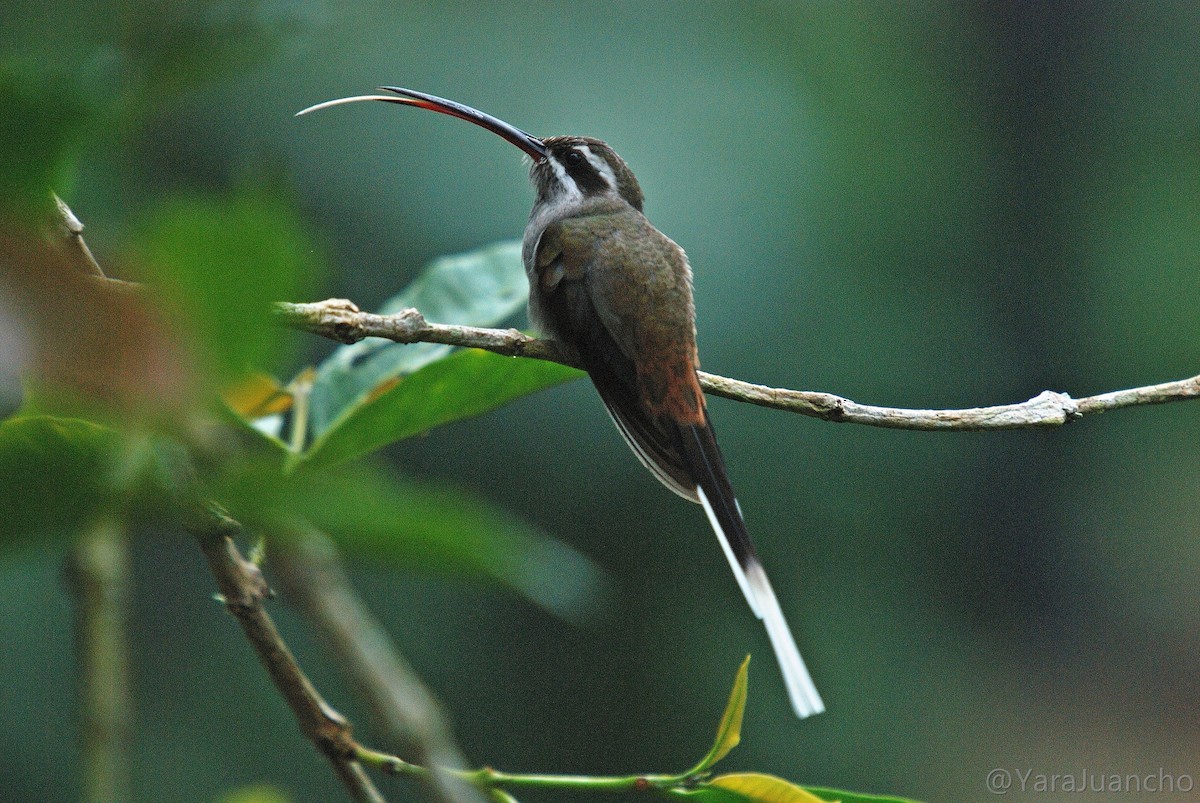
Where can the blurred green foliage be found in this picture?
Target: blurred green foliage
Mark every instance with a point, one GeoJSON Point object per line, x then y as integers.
{"type": "Point", "coordinates": [218, 262]}
{"type": "Point", "coordinates": [40, 133]}
{"type": "Point", "coordinates": [924, 204]}
{"type": "Point", "coordinates": [388, 520]}
{"type": "Point", "coordinates": [41, 459]}
{"type": "Point", "coordinates": [455, 387]}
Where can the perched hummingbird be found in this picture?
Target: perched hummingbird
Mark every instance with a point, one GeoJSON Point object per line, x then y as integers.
{"type": "Point", "coordinates": [604, 281]}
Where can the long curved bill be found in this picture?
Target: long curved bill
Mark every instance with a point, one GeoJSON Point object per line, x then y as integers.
{"type": "Point", "coordinates": [408, 97]}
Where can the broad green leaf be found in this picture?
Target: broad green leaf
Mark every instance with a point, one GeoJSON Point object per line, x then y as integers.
{"type": "Point", "coordinates": [479, 288]}
{"type": "Point", "coordinates": [729, 732]}
{"type": "Point", "coordinates": [41, 129]}
{"type": "Point", "coordinates": [378, 517]}
{"type": "Point", "coordinates": [758, 787]}
{"type": "Point", "coordinates": [54, 476]}
{"type": "Point", "coordinates": [462, 385]}
{"type": "Point", "coordinates": [754, 786]}
{"type": "Point", "coordinates": [221, 262]}
{"type": "Point", "coordinates": [262, 430]}
{"type": "Point", "coordinates": [831, 795]}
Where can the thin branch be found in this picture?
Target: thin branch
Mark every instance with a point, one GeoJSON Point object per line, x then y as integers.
{"type": "Point", "coordinates": [98, 575]}
{"type": "Point", "coordinates": [497, 783]}
{"type": "Point", "coordinates": [68, 236]}
{"type": "Point", "coordinates": [71, 233]}
{"type": "Point", "coordinates": [243, 590]}
{"type": "Point", "coordinates": [312, 578]}
{"type": "Point", "coordinates": [340, 320]}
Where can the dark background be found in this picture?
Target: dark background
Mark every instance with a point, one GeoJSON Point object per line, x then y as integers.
{"type": "Point", "coordinates": [915, 204]}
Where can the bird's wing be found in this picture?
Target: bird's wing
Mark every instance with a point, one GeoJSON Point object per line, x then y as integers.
{"type": "Point", "coordinates": [636, 339]}
{"type": "Point", "coordinates": [566, 256]}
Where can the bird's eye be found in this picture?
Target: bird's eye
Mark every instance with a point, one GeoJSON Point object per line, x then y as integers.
{"type": "Point", "coordinates": [574, 158]}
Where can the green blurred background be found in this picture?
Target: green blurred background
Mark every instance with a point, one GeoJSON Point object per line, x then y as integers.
{"type": "Point", "coordinates": [917, 204]}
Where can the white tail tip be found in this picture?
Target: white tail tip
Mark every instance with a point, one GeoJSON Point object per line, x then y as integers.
{"type": "Point", "coordinates": [806, 700]}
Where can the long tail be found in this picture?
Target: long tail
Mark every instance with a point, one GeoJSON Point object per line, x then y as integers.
{"type": "Point", "coordinates": [715, 493]}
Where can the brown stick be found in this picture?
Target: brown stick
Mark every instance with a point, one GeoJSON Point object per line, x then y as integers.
{"type": "Point", "coordinates": [312, 578]}
{"type": "Point", "coordinates": [340, 320]}
{"type": "Point", "coordinates": [243, 590]}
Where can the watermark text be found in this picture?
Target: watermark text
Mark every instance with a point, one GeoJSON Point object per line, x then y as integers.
{"type": "Point", "coordinates": [1026, 780]}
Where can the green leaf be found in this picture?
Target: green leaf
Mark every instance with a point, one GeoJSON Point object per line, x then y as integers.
{"type": "Point", "coordinates": [831, 795]}
{"type": "Point", "coordinates": [41, 129]}
{"type": "Point", "coordinates": [762, 788]}
{"type": "Point", "coordinates": [370, 394]}
{"type": "Point", "coordinates": [462, 385]}
{"type": "Point", "coordinates": [479, 288]}
{"type": "Point", "coordinates": [501, 796]}
{"type": "Point", "coordinates": [221, 262]}
{"type": "Point", "coordinates": [739, 788]}
{"type": "Point", "coordinates": [257, 404]}
{"type": "Point", "coordinates": [706, 794]}
{"type": "Point", "coordinates": [375, 516]}
{"type": "Point", "coordinates": [54, 476]}
{"type": "Point", "coordinates": [729, 732]}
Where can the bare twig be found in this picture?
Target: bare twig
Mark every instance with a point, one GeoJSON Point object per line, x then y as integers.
{"type": "Point", "coordinates": [312, 578]}
{"type": "Point", "coordinates": [340, 320]}
{"type": "Point", "coordinates": [97, 571]}
{"type": "Point", "coordinates": [68, 235]}
{"type": "Point", "coordinates": [243, 589]}
{"type": "Point", "coordinates": [71, 232]}
{"type": "Point", "coordinates": [98, 574]}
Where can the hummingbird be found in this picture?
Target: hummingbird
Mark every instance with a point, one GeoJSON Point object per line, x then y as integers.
{"type": "Point", "coordinates": [618, 292]}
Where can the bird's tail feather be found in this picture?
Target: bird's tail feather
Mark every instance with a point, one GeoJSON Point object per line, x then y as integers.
{"type": "Point", "coordinates": [716, 496]}
{"type": "Point", "coordinates": [806, 700]}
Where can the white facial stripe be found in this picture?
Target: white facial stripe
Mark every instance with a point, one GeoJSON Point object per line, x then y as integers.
{"type": "Point", "coordinates": [602, 166]}
{"type": "Point", "coordinates": [564, 179]}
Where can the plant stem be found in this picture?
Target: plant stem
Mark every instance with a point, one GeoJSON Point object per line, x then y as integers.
{"type": "Point", "coordinates": [243, 590]}
{"type": "Point", "coordinates": [98, 573]}
{"type": "Point", "coordinates": [487, 778]}
{"type": "Point", "coordinates": [311, 576]}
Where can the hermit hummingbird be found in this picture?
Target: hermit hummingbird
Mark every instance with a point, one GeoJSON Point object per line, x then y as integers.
{"type": "Point", "coordinates": [618, 292]}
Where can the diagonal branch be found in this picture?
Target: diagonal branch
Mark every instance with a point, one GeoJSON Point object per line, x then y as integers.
{"type": "Point", "coordinates": [98, 574]}
{"type": "Point", "coordinates": [312, 578]}
{"type": "Point", "coordinates": [340, 320]}
{"type": "Point", "coordinates": [243, 589]}
{"type": "Point", "coordinates": [70, 232]}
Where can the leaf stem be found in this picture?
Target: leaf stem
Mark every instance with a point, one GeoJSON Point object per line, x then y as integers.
{"type": "Point", "coordinates": [98, 573]}
{"type": "Point", "coordinates": [487, 778]}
